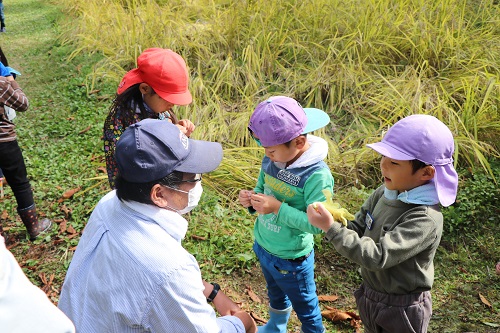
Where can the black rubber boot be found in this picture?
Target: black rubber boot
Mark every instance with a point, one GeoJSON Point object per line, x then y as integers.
{"type": "Point", "coordinates": [34, 226]}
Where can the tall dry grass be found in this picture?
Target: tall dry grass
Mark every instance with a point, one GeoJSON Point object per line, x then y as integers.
{"type": "Point", "coordinates": [367, 63]}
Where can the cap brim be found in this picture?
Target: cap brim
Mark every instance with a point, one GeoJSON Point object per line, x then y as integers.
{"type": "Point", "coordinates": [132, 77]}
{"type": "Point", "coordinates": [204, 157]}
{"type": "Point", "coordinates": [316, 119]}
{"type": "Point", "coordinates": [177, 99]}
{"type": "Point", "coordinates": [389, 151]}
{"type": "Point", "coordinates": [13, 71]}
{"type": "Point", "coordinates": [446, 182]}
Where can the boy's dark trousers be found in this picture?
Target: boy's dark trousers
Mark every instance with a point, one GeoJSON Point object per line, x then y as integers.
{"type": "Point", "coordinates": [390, 313]}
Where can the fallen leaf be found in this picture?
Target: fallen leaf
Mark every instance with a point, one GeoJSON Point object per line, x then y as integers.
{"type": "Point", "coordinates": [69, 193]}
{"type": "Point", "coordinates": [198, 237]}
{"type": "Point", "coordinates": [63, 226]}
{"type": "Point", "coordinates": [102, 169]}
{"type": "Point", "coordinates": [485, 301]}
{"type": "Point", "coordinates": [85, 130]}
{"type": "Point", "coordinates": [327, 298]}
{"type": "Point", "coordinates": [95, 91]}
{"type": "Point", "coordinates": [252, 295]}
{"type": "Point", "coordinates": [336, 315]}
{"type": "Point", "coordinates": [71, 230]}
{"type": "Point", "coordinates": [257, 318]}
{"type": "Point", "coordinates": [12, 245]}
{"type": "Point", "coordinates": [67, 211]}
{"type": "Point", "coordinates": [43, 278]}
{"type": "Point", "coordinates": [5, 215]}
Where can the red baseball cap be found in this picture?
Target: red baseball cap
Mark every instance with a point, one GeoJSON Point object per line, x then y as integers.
{"type": "Point", "coordinates": [165, 71]}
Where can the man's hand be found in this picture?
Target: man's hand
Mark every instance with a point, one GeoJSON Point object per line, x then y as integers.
{"type": "Point", "coordinates": [244, 198]}
{"type": "Point", "coordinates": [248, 322]}
{"type": "Point", "coordinates": [186, 126]}
{"type": "Point", "coordinates": [226, 307]}
{"type": "Point", "coordinates": [265, 204]}
{"type": "Point", "coordinates": [319, 216]}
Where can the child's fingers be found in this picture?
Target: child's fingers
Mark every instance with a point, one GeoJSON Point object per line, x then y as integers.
{"type": "Point", "coordinates": [258, 196]}
{"type": "Point", "coordinates": [188, 125]}
{"type": "Point", "coordinates": [318, 208]}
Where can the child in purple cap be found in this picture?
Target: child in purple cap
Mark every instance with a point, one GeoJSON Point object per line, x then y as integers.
{"type": "Point", "coordinates": [292, 176]}
{"type": "Point", "coordinates": [395, 235]}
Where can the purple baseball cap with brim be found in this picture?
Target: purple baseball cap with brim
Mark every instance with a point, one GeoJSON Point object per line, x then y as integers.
{"type": "Point", "coordinates": [152, 149]}
{"type": "Point", "coordinates": [427, 139]}
{"type": "Point", "coordinates": [280, 119]}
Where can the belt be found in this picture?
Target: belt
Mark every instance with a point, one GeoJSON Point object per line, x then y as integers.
{"type": "Point", "coordinates": [300, 259]}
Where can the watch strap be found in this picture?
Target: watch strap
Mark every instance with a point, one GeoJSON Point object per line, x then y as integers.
{"type": "Point", "coordinates": [214, 292]}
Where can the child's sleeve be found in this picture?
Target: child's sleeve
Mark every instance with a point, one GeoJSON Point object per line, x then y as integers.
{"type": "Point", "coordinates": [297, 218]}
{"type": "Point", "coordinates": [259, 188]}
{"type": "Point", "coordinates": [12, 95]}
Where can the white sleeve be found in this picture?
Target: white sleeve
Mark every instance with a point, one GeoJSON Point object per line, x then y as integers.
{"type": "Point", "coordinates": [181, 306]}
{"type": "Point", "coordinates": [23, 306]}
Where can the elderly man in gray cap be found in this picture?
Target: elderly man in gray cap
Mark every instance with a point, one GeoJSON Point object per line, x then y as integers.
{"type": "Point", "coordinates": [130, 272]}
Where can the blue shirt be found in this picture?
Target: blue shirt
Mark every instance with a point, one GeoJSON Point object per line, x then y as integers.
{"type": "Point", "coordinates": [130, 273]}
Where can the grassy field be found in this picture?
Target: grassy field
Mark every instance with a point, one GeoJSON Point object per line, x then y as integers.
{"type": "Point", "coordinates": [70, 93]}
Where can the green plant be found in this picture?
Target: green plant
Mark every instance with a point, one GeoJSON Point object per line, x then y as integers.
{"type": "Point", "coordinates": [434, 57]}
{"type": "Point", "coordinates": [220, 233]}
{"type": "Point", "coordinates": [477, 202]}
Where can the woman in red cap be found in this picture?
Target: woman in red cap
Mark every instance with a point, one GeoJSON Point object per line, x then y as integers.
{"type": "Point", "coordinates": [159, 82]}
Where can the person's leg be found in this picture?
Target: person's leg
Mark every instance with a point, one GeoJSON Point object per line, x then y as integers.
{"type": "Point", "coordinates": [409, 313]}
{"type": "Point", "coordinates": [2, 19]}
{"type": "Point", "coordinates": [14, 169]}
{"type": "Point", "coordinates": [367, 309]}
{"type": "Point", "coordinates": [279, 305]}
{"type": "Point", "coordinates": [1, 184]}
{"type": "Point", "coordinates": [386, 313]}
{"type": "Point", "coordinates": [297, 281]}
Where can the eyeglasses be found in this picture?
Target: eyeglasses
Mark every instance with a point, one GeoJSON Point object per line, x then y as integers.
{"type": "Point", "coordinates": [197, 178]}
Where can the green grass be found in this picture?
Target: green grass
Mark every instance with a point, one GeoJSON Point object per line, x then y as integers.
{"type": "Point", "coordinates": [248, 57]}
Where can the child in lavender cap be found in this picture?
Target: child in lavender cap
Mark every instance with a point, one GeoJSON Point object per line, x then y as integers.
{"type": "Point", "coordinates": [395, 234]}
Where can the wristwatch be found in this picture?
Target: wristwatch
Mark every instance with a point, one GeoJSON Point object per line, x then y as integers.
{"type": "Point", "coordinates": [214, 292]}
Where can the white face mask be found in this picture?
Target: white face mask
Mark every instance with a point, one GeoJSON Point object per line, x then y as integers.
{"type": "Point", "coordinates": [194, 196]}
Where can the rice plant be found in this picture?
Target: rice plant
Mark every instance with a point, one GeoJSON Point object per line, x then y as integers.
{"type": "Point", "coordinates": [367, 63]}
